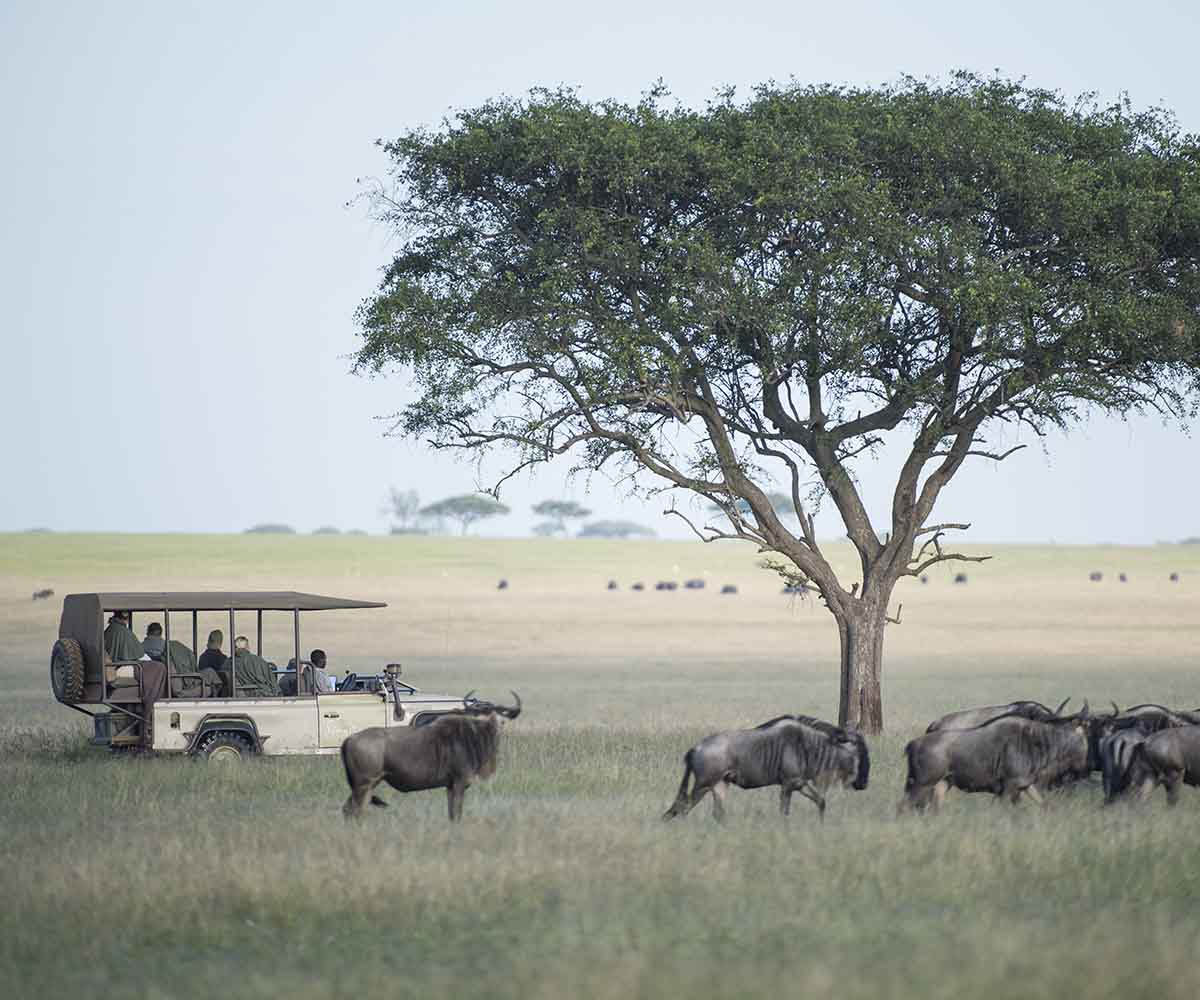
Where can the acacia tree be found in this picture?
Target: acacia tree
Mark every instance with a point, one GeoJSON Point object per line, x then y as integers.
{"type": "Point", "coordinates": [466, 509]}
{"type": "Point", "coordinates": [782, 283]}
{"type": "Point", "coordinates": [557, 513]}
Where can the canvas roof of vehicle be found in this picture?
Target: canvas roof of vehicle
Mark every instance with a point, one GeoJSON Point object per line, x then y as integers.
{"type": "Point", "coordinates": [223, 600]}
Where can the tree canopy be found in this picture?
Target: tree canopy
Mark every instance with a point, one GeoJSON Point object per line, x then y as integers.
{"type": "Point", "coordinates": [714, 295]}
{"type": "Point", "coordinates": [556, 514]}
{"type": "Point", "coordinates": [466, 509]}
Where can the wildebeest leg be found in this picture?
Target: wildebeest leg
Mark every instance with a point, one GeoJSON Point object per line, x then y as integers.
{"type": "Point", "coordinates": [454, 799]}
{"type": "Point", "coordinates": [1172, 780]}
{"type": "Point", "coordinates": [938, 795]}
{"type": "Point", "coordinates": [811, 793]}
{"type": "Point", "coordinates": [785, 799]}
{"type": "Point", "coordinates": [718, 793]}
{"type": "Point", "coordinates": [1033, 793]}
{"type": "Point", "coordinates": [353, 808]}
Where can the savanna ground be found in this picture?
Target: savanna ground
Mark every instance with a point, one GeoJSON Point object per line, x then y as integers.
{"type": "Point", "coordinates": [168, 878]}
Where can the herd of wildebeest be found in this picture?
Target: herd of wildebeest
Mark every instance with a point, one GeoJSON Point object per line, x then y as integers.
{"type": "Point", "coordinates": [1020, 749]}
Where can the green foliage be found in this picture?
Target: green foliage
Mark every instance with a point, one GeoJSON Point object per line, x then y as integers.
{"type": "Point", "coordinates": [271, 529]}
{"type": "Point", "coordinates": [466, 509]}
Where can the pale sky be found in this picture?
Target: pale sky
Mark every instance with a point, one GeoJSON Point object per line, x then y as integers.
{"type": "Point", "coordinates": [179, 272]}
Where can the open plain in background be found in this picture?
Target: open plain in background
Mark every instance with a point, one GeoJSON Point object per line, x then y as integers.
{"type": "Point", "coordinates": [166, 878]}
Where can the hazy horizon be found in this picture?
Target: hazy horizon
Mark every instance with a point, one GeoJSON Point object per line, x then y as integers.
{"type": "Point", "coordinates": [180, 271]}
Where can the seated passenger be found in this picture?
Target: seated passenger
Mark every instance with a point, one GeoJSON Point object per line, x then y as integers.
{"type": "Point", "coordinates": [324, 683]}
{"type": "Point", "coordinates": [183, 661]}
{"type": "Point", "coordinates": [213, 659]}
{"type": "Point", "coordinates": [119, 641]}
{"type": "Point", "coordinates": [255, 676]}
{"type": "Point", "coordinates": [315, 662]}
{"type": "Point", "coordinates": [153, 645]}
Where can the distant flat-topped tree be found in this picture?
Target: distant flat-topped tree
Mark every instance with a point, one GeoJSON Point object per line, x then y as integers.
{"type": "Point", "coordinates": [270, 529]}
{"type": "Point", "coordinates": [781, 284]}
{"type": "Point", "coordinates": [466, 509]}
{"type": "Point", "coordinates": [615, 529]}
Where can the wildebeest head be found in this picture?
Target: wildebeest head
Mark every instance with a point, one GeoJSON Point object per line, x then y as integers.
{"type": "Point", "coordinates": [476, 706]}
{"type": "Point", "coordinates": [854, 739]}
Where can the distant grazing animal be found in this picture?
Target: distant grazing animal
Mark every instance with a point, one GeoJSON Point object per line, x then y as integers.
{"type": "Point", "coordinates": [666, 585]}
{"type": "Point", "coordinates": [796, 752]}
{"type": "Point", "coordinates": [41, 595]}
{"type": "Point", "coordinates": [1009, 756]}
{"type": "Point", "coordinates": [1174, 578]}
{"type": "Point", "coordinates": [693, 585]}
{"type": "Point", "coordinates": [1095, 576]}
{"type": "Point", "coordinates": [502, 585]}
{"type": "Point", "coordinates": [924, 578]}
{"type": "Point", "coordinates": [960, 577]}
{"type": "Point", "coordinates": [971, 717]}
{"type": "Point", "coordinates": [1123, 578]}
{"type": "Point", "coordinates": [452, 752]}
{"type": "Point", "coordinates": [1116, 756]}
{"type": "Point", "coordinates": [729, 588]}
{"type": "Point", "coordinates": [796, 588]}
{"type": "Point", "coordinates": [638, 586]}
{"type": "Point", "coordinates": [1169, 758]}
{"type": "Point", "coordinates": [612, 584]}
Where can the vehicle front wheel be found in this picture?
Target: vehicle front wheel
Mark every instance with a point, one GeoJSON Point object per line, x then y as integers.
{"type": "Point", "coordinates": [224, 746]}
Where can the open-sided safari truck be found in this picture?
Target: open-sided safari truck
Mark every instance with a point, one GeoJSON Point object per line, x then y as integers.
{"type": "Point", "coordinates": [154, 705]}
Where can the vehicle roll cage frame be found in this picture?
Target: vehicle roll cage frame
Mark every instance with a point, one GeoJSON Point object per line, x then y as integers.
{"type": "Point", "coordinates": [232, 602]}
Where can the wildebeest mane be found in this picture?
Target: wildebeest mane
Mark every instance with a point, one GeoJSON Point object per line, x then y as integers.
{"type": "Point", "coordinates": [464, 745]}
{"type": "Point", "coordinates": [771, 722]}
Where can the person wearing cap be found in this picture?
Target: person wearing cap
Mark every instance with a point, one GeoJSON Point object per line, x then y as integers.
{"type": "Point", "coordinates": [213, 659]}
{"type": "Point", "coordinates": [120, 643]}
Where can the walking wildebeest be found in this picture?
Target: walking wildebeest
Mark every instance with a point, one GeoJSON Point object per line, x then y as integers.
{"type": "Point", "coordinates": [1169, 758]}
{"type": "Point", "coordinates": [41, 595]}
{"type": "Point", "coordinates": [452, 752]}
{"type": "Point", "coordinates": [971, 717]}
{"type": "Point", "coordinates": [796, 752]}
{"type": "Point", "coordinates": [1008, 756]}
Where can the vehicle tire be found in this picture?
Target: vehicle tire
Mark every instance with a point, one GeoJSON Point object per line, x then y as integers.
{"type": "Point", "coordinates": [66, 671]}
{"type": "Point", "coordinates": [222, 745]}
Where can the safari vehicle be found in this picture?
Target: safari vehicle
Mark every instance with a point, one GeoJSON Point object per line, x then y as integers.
{"type": "Point", "coordinates": [148, 705]}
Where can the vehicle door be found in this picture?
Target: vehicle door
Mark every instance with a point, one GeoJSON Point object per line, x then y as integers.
{"type": "Point", "coordinates": [339, 714]}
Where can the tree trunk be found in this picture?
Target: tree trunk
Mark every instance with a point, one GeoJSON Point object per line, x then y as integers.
{"type": "Point", "coordinates": [861, 702]}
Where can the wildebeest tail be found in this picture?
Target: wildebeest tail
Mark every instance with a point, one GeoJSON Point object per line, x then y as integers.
{"type": "Point", "coordinates": [909, 781]}
{"type": "Point", "coordinates": [681, 796]}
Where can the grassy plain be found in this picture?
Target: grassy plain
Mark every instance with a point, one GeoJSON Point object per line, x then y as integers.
{"type": "Point", "coordinates": [163, 878]}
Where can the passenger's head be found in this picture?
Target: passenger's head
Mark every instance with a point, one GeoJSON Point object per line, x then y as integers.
{"type": "Point", "coordinates": [216, 638]}
{"type": "Point", "coordinates": [317, 656]}
{"type": "Point", "coordinates": [154, 628]}
{"type": "Point", "coordinates": [241, 642]}
{"type": "Point", "coordinates": [123, 617]}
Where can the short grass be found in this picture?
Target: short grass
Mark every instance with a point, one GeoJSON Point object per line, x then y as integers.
{"type": "Point", "coordinates": [164, 878]}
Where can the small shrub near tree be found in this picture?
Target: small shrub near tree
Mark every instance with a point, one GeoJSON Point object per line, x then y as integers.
{"type": "Point", "coordinates": [271, 529]}
{"type": "Point", "coordinates": [615, 529]}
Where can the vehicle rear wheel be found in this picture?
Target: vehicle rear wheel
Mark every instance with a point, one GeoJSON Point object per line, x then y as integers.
{"type": "Point", "coordinates": [66, 671]}
{"type": "Point", "coordinates": [224, 746]}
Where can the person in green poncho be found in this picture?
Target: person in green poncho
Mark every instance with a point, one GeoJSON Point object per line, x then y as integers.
{"type": "Point", "coordinates": [119, 641]}
{"type": "Point", "coordinates": [255, 676]}
{"type": "Point", "coordinates": [183, 661]}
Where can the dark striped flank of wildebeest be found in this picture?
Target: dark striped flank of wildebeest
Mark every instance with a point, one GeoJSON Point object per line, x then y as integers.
{"type": "Point", "coordinates": [1116, 755]}
{"type": "Point", "coordinates": [796, 752]}
{"type": "Point", "coordinates": [452, 752]}
{"type": "Point", "coordinates": [1141, 719]}
{"type": "Point", "coordinates": [1170, 757]}
{"type": "Point", "coordinates": [969, 718]}
{"type": "Point", "coordinates": [1008, 756]}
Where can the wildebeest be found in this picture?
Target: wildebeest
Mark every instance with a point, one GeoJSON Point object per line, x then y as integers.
{"type": "Point", "coordinates": [971, 717]}
{"type": "Point", "coordinates": [1116, 755]}
{"type": "Point", "coordinates": [1169, 758]}
{"type": "Point", "coordinates": [1095, 576]}
{"type": "Point", "coordinates": [1123, 578]}
{"type": "Point", "coordinates": [1008, 756]}
{"type": "Point", "coordinates": [796, 752]}
{"type": "Point", "coordinates": [666, 585]}
{"type": "Point", "coordinates": [729, 588]}
{"type": "Point", "coordinates": [502, 585]}
{"type": "Point", "coordinates": [1174, 578]}
{"type": "Point", "coordinates": [41, 595]}
{"type": "Point", "coordinates": [452, 752]}
{"type": "Point", "coordinates": [612, 584]}
{"type": "Point", "coordinates": [694, 584]}
{"type": "Point", "coordinates": [638, 586]}
{"type": "Point", "coordinates": [960, 577]}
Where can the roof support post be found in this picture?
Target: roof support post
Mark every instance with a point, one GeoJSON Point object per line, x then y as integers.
{"type": "Point", "coordinates": [232, 656]}
{"type": "Point", "coordinates": [299, 668]}
{"type": "Point", "coordinates": [167, 650]}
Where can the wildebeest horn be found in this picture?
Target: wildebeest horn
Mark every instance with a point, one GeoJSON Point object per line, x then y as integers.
{"type": "Point", "coordinates": [1116, 710]}
{"type": "Point", "coordinates": [512, 713]}
{"type": "Point", "coordinates": [469, 696]}
{"type": "Point", "coordinates": [1058, 711]}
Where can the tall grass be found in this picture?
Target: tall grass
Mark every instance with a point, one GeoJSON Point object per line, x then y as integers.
{"type": "Point", "coordinates": [167, 878]}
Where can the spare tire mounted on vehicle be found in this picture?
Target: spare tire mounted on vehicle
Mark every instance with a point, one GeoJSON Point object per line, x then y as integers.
{"type": "Point", "coordinates": [66, 671]}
